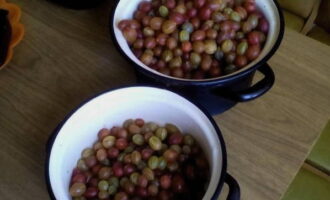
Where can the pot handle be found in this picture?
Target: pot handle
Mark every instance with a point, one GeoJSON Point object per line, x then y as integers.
{"type": "Point", "coordinates": [254, 91]}
{"type": "Point", "coordinates": [234, 189]}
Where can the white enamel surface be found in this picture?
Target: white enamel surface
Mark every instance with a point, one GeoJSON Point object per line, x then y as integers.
{"type": "Point", "coordinates": [126, 8]}
{"type": "Point", "coordinates": [112, 108]}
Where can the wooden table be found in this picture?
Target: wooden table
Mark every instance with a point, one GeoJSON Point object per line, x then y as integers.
{"type": "Point", "coordinates": [67, 56]}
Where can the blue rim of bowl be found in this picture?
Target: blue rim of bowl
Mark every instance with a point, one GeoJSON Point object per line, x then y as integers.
{"type": "Point", "coordinates": [205, 82]}
{"type": "Point", "coordinates": [54, 134]}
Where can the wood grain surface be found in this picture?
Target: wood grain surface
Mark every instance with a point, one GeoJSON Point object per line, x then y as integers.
{"type": "Point", "coordinates": [67, 56]}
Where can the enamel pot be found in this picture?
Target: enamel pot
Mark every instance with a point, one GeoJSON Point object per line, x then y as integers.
{"type": "Point", "coordinates": [216, 94]}
{"type": "Point", "coordinates": [79, 131]}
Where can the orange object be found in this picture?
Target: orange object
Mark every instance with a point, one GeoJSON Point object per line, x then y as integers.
{"type": "Point", "coordinates": [17, 29]}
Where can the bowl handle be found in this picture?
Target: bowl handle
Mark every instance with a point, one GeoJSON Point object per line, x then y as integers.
{"type": "Point", "coordinates": [234, 189]}
{"type": "Point", "coordinates": [254, 91]}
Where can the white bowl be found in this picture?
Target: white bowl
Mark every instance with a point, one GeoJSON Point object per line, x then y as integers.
{"type": "Point", "coordinates": [124, 9]}
{"type": "Point", "coordinates": [111, 108]}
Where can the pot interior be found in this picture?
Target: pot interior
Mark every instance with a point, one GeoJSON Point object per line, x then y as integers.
{"type": "Point", "coordinates": [126, 8]}
{"type": "Point", "coordinates": [112, 108]}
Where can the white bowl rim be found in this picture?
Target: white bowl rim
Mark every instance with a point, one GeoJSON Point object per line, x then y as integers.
{"type": "Point", "coordinates": [54, 134]}
{"type": "Point", "coordinates": [229, 77]}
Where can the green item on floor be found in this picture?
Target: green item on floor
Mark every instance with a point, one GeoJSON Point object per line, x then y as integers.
{"type": "Point", "coordinates": [308, 186]}
{"type": "Point", "coordinates": [320, 155]}
{"type": "Point", "coordinates": [293, 21]}
{"type": "Point", "coordinates": [301, 8]}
